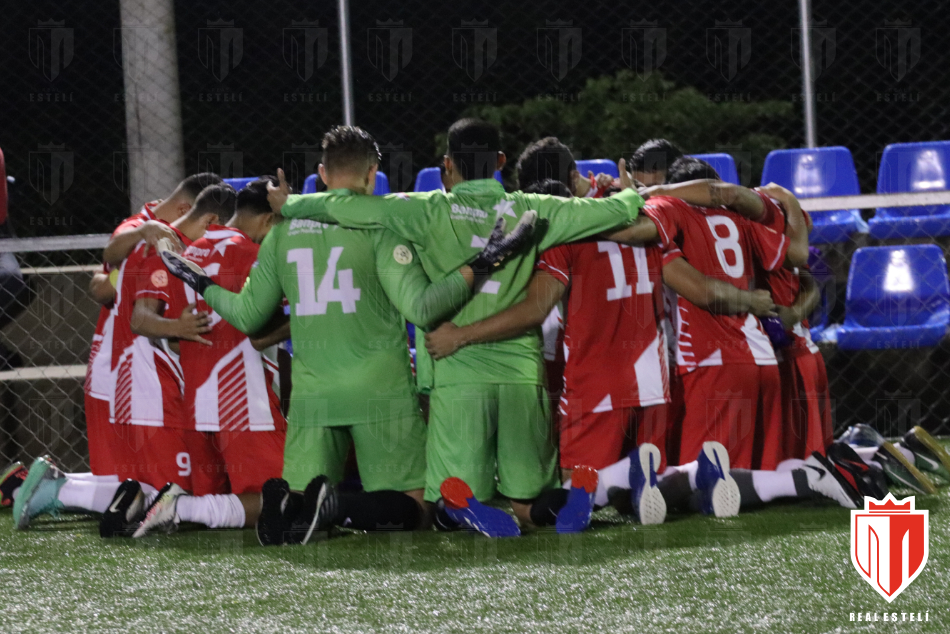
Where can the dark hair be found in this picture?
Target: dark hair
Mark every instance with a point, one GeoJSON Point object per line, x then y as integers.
{"type": "Point", "coordinates": [545, 159]}
{"type": "Point", "coordinates": [474, 146]}
{"type": "Point", "coordinates": [253, 197]}
{"type": "Point", "coordinates": [687, 168]}
{"type": "Point", "coordinates": [216, 199]}
{"type": "Point", "coordinates": [193, 185]}
{"type": "Point", "coordinates": [349, 147]}
{"type": "Point", "coordinates": [656, 155]}
{"type": "Point", "coordinates": [550, 187]}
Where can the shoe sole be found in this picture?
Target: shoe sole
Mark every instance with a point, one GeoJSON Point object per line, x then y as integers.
{"type": "Point", "coordinates": [725, 497]}
{"type": "Point", "coordinates": [38, 470]}
{"type": "Point", "coordinates": [924, 482]}
{"type": "Point", "coordinates": [495, 522]}
{"type": "Point", "coordinates": [651, 507]}
{"type": "Point", "coordinates": [856, 499]}
{"type": "Point", "coordinates": [928, 441]}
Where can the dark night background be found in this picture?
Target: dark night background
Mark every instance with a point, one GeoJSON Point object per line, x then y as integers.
{"type": "Point", "coordinates": [861, 104]}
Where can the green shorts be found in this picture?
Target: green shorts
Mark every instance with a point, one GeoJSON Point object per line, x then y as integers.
{"type": "Point", "coordinates": [476, 431]}
{"type": "Point", "coordinates": [390, 455]}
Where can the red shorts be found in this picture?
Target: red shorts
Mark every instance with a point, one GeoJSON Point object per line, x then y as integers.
{"type": "Point", "coordinates": [152, 455]}
{"type": "Point", "coordinates": [100, 435]}
{"type": "Point", "coordinates": [674, 421]}
{"type": "Point", "coordinates": [235, 461]}
{"type": "Point", "coordinates": [738, 406]}
{"type": "Point", "coordinates": [806, 405]}
{"type": "Point", "coordinates": [599, 439]}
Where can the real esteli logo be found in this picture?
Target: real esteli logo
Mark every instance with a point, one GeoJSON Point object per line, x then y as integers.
{"type": "Point", "coordinates": [890, 543]}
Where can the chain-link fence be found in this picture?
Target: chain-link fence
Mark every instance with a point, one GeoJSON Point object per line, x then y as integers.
{"type": "Point", "coordinates": [108, 105]}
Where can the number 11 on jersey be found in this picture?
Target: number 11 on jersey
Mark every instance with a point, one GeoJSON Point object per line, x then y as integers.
{"type": "Point", "coordinates": [312, 299]}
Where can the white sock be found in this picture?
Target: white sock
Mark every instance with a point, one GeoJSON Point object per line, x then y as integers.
{"type": "Point", "coordinates": [769, 485]}
{"type": "Point", "coordinates": [214, 511]}
{"type": "Point", "coordinates": [615, 476]}
{"type": "Point", "coordinates": [87, 496]}
{"type": "Point", "coordinates": [690, 469]}
{"type": "Point", "coordinates": [89, 477]}
{"type": "Point", "coordinates": [790, 464]}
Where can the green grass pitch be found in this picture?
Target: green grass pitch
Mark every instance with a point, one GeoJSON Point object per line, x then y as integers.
{"type": "Point", "coordinates": [781, 569]}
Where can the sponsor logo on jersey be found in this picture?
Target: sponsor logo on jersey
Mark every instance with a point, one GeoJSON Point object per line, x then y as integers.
{"type": "Point", "coordinates": [303, 225]}
{"type": "Point", "coordinates": [402, 254]}
{"type": "Point", "coordinates": [461, 212]}
{"type": "Point", "coordinates": [890, 543]}
{"type": "Point", "coordinates": [195, 253]}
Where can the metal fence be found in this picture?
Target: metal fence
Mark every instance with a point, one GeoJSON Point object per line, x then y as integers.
{"type": "Point", "coordinates": [108, 105]}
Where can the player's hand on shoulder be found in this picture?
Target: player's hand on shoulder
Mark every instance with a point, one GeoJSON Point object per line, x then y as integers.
{"type": "Point", "coordinates": [776, 191]}
{"type": "Point", "coordinates": [443, 341]}
{"type": "Point", "coordinates": [152, 231]}
{"type": "Point", "coordinates": [194, 323]}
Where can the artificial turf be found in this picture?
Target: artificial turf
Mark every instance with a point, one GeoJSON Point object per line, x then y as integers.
{"type": "Point", "coordinates": [785, 568]}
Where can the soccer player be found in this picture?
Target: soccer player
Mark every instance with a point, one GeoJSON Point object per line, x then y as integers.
{"type": "Point", "coordinates": [488, 411]}
{"type": "Point", "coordinates": [652, 160]}
{"type": "Point", "coordinates": [150, 225]}
{"type": "Point", "coordinates": [352, 383]}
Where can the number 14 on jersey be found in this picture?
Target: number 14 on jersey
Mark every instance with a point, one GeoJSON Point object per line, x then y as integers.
{"type": "Point", "coordinates": [335, 286]}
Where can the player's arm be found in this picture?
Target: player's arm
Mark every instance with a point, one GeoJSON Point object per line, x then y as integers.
{"type": "Point", "coordinates": [252, 308]}
{"type": "Point", "coordinates": [715, 296]}
{"type": "Point", "coordinates": [642, 231]}
{"type": "Point", "coordinates": [808, 297]}
{"type": "Point", "coordinates": [405, 282]}
{"type": "Point", "coordinates": [713, 193]}
{"type": "Point", "coordinates": [101, 289]}
{"type": "Point", "coordinates": [276, 330]}
{"type": "Point", "coordinates": [796, 226]}
{"type": "Point", "coordinates": [544, 292]}
{"type": "Point", "coordinates": [122, 244]}
{"type": "Point", "coordinates": [148, 321]}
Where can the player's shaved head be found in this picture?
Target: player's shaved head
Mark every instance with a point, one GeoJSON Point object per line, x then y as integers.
{"type": "Point", "coordinates": [194, 184]}
{"type": "Point", "coordinates": [253, 197]}
{"type": "Point", "coordinates": [474, 146]}
{"type": "Point", "coordinates": [219, 200]}
{"type": "Point", "coordinates": [545, 159]}
{"type": "Point", "coordinates": [687, 168]}
{"type": "Point", "coordinates": [550, 187]}
{"type": "Point", "coordinates": [348, 148]}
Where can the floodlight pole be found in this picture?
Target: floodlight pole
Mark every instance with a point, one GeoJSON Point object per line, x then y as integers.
{"type": "Point", "coordinates": [808, 88]}
{"type": "Point", "coordinates": [346, 62]}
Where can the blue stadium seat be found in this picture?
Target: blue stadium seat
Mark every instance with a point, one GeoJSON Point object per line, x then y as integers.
{"type": "Point", "coordinates": [239, 183]}
{"type": "Point", "coordinates": [598, 166]}
{"type": "Point", "coordinates": [723, 163]}
{"type": "Point", "coordinates": [430, 179]}
{"type": "Point", "coordinates": [811, 173]}
{"type": "Point", "coordinates": [913, 167]}
{"type": "Point", "coordinates": [382, 184]}
{"type": "Point", "coordinates": [898, 297]}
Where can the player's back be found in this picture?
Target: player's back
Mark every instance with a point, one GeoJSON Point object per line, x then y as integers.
{"type": "Point", "coordinates": [227, 385]}
{"type": "Point", "coordinates": [728, 247]}
{"type": "Point", "coordinates": [351, 359]}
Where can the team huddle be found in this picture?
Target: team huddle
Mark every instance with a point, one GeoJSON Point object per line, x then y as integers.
{"type": "Point", "coordinates": [585, 341]}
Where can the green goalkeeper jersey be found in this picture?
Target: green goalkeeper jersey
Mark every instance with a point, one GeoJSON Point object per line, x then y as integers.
{"type": "Point", "coordinates": [348, 292]}
{"type": "Point", "coordinates": [448, 229]}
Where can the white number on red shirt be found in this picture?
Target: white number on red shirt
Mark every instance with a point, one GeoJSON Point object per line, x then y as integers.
{"type": "Point", "coordinates": [314, 301]}
{"type": "Point", "coordinates": [621, 289]}
{"type": "Point", "coordinates": [728, 243]}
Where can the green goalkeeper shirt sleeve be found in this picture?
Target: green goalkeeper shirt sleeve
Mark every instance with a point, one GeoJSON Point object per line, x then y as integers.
{"type": "Point", "coordinates": [403, 214]}
{"type": "Point", "coordinates": [572, 219]}
{"type": "Point", "coordinates": [252, 308]}
{"type": "Point", "coordinates": [402, 277]}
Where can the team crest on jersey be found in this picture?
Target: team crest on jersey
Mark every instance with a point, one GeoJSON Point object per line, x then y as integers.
{"type": "Point", "coordinates": [890, 543]}
{"type": "Point", "coordinates": [159, 279]}
{"type": "Point", "coordinates": [402, 254]}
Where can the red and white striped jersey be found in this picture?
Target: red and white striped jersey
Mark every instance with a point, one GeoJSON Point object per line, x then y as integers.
{"type": "Point", "coordinates": [230, 385]}
{"type": "Point", "coordinates": [98, 383]}
{"type": "Point", "coordinates": [614, 345]}
{"type": "Point", "coordinates": [147, 379]}
{"type": "Point", "coordinates": [726, 246]}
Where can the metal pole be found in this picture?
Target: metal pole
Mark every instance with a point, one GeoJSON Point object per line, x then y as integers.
{"type": "Point", "coordinates": [808, 89]}
{"type": "Point", "coordinates": [346, 63]}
